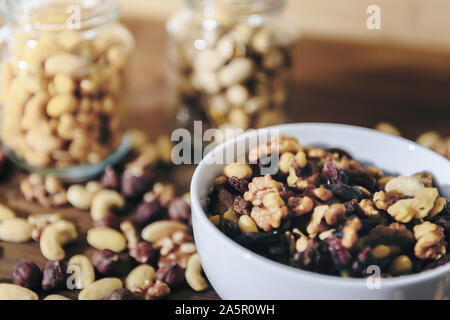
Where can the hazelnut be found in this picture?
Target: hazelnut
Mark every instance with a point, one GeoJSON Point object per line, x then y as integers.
{"type": "Point", "coordinates": [54, 276]}
{"type": "Point", "coordinates": [157, 291]}
{"type": "Point", "coordinates": [133, 186]}
{"type": "Point", "coordinates": [110, 179]}
{"type": "Point", "coordinates": [170, 273]}
{"type": "Point", "coordinates": [27, 274]}
{"type": "Point", "coordinates": [148, 212]}
{"type": "Point", "coordinates": [144, 253]}
{"type": "Point", "coordinates": [109, 221]}
{"type": "Point", "coordinates": [120, 294]}
{"type": "Point", "coordinates": [105, 261]}
{"type": "Point", "coordinates": [179, 210]}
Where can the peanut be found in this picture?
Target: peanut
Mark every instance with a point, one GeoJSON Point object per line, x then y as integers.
{"type": "Point", "coordinates": [238, 170]}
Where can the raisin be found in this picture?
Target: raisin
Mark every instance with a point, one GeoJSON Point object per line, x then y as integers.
{"type": "Point", "coordinates": [345, 192]}
{"type": "Point", "coordinates": [332, 174]}
{"type": "Point", "coordinates": [241, 207]}
{"type": "Point", "coordinates": [224, 201]}
{"type": "Point", "coordinates": [438, 263]}
{"type": "Point", "coordinates": [239, 185]}
{"type": "Point", "coordinates": [259, 239]}
{"type": "Point", "coordinates": [315, 257]}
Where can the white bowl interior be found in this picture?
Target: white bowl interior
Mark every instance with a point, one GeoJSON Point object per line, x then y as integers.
{"type": "Point", "coordinates": [391, 154]}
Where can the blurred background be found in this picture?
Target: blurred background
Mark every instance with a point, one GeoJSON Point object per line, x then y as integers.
{"type": "Point", "coordinates": [343, 72]}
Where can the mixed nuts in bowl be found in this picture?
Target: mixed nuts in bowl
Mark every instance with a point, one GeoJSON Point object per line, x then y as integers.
{"type": "Point", "coordinates": [322, 212]}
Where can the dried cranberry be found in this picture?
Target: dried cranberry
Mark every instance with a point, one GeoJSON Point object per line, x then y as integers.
{"type": "Point", "coordinates": [351, 207]}
{"type": "Point", "coordinates": [332, 174]}
{"type": "Point", "coordinates": [239, 185]}
{"type": "Point", "coordinates": [340, 256]}
{"type": "Point", "coordinates": [224, 201]}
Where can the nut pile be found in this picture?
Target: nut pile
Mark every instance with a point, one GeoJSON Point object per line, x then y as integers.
{"type": "Point", "coordinates": [152, 250]}
{"type": "Point", "coordinates": [238, 81]}
{"type": "Point", "coordinates": [322, 211]}
{"type": "Point", "coordinates": [63, 96]}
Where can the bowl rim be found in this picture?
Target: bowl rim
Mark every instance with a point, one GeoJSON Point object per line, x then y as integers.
{"type": "Point", "coordinates": [201, 215]}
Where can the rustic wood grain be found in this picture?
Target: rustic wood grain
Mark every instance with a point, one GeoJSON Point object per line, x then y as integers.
{"type": "Point", "coordinates": [333, 82]}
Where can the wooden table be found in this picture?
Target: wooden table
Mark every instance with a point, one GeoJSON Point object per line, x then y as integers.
{"type": "Point", "coordinates": [333, 82]}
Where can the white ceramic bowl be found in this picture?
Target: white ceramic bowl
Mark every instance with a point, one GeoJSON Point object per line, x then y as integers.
{"type": "Point", "coordinates": [237, 273]}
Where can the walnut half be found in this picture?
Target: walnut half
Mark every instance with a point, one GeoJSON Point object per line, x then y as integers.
{"type": "Point", "coordinates": [430, 241]}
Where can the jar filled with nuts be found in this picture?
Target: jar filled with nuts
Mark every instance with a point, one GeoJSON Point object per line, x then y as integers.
{"type": "Point", "coordinates": [229, 64]}
{"type": "Point", "coordinates": [63, 88]}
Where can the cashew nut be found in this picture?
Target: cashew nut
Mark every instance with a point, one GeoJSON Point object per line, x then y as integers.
{"type": "Point", "coordinates": [162, 229]}
{"type": "Point", "coordinates": [106, 238]}
{"type": "Point", "coordinates": [82, 268]}
{"type": "Point", "coordinates": [6, 213]}
{"type": "Point", "coordinates": [14, 292]}
{"type": "Point", "coordinates": [193, 274]}
{"type": "Point", "coordinates": [100, 289]}
{"type": "Point", "coordinates": [103, 201]}
{"type": "Point", "coordinates": [55, 236]}
{"type": "Point", "coordinates": [140, 278]}
{"type": "Point", "coordinates": [15, 230]}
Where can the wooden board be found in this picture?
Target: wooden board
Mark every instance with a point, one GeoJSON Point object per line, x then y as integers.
{"type": "Point", "coordinates": [333, 82]}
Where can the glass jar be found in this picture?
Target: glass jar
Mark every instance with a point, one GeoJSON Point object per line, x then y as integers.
{"type": "Point", "coordinates": [228, 64]}
{"type": "Point", "coordinates": [62, 85]}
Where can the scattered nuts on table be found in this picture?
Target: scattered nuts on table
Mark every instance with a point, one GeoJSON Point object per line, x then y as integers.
{"type": "Point", "coordinates": [326, 213]}
{"type": "Point", "coordinates": [40, 222]}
